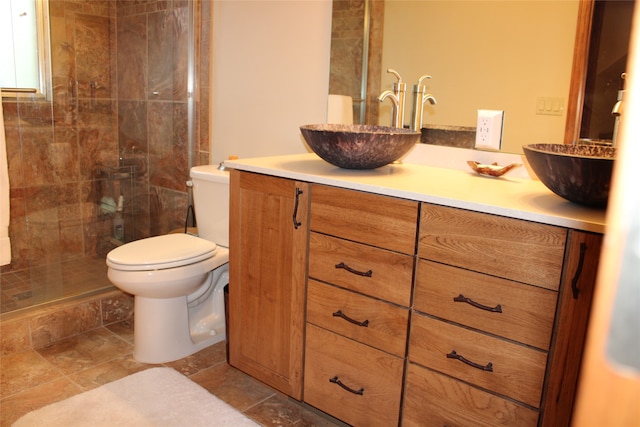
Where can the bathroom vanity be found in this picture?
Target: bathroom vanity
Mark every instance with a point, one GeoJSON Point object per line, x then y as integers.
{"type": "Point", "coordinates": [410, 294]}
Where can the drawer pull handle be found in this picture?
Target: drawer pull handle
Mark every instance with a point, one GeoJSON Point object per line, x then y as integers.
{"type": "Point", "coordinates": [296, 223]}
{"type": "Point", "coordinates": [453, 355]}
{"type": "Point", "coordinates": [336, 380]}
{"type": "Point", "coordinates": [339, 313]}
{"type": "Point", "coordinates": [576, 276]}
{"type": "Point", "coordinates": [351, 270]}
{"type": "Point", "coordinates": [462, 298]}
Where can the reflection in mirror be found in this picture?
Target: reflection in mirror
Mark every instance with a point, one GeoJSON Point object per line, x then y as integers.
{"type": "Point", "coordinates": [483, 54]}
{"type": "Point", "coordinates": [607, 61]}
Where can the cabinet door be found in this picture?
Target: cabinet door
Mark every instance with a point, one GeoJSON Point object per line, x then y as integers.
{"type": "Point", "coordinates": [268, 256]}
{"type": "Point", "coordinates": [576, 293]}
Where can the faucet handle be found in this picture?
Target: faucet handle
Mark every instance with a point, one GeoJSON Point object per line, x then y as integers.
{"type": "Point", "coordinates": [426, 76]}
{"type": "Point", "coordinates": [395, 73]}
{"type": "Point", "coordinates": [419, 87]}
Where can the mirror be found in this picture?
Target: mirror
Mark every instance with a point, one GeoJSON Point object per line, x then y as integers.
{"type": "Point", "coordinates": [602, 42]}
{"type": "Point", "coordinates": [510, 56]}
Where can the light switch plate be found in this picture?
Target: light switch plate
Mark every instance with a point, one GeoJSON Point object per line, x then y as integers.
{"type": "Point", "coordinates": [549, 106]}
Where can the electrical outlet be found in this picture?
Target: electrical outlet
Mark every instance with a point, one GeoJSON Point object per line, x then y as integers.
{"type": "Point", "coordinates": [489, 129]}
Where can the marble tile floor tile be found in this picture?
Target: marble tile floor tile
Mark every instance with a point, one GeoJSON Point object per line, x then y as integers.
{"type": "Point", "coordinates": [34, 378]}
{"type": "Point", "coordinates": [28, 288]}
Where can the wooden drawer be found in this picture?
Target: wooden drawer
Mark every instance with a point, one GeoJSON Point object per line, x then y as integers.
{"type": "Point", "coordinates": [432, 399]}
{"type": "Point", "coordinates": [516, 371]}
{"type": "Point", "coordinates": [382, 221]}
{"type": "Point", "coordinates": [378, 324]}
{"type": "Point", "coordinates": [526, 312]}
{"type": "Point", "coordinates": [375, 374]}
{"type": "Point", "coordinates": [514, 249]}
{"type": "Point", "coordinates": [377, 272]}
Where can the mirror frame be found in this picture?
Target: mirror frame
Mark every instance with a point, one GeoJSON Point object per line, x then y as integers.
{"type": "Point", "coordinates": [575, 103]}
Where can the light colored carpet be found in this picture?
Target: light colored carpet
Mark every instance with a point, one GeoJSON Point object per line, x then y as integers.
{"type": "Point", "coordinates": [155, 397]}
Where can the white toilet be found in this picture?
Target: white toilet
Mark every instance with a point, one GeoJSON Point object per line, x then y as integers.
{"type": "Point", "coordinates": [178, 280]}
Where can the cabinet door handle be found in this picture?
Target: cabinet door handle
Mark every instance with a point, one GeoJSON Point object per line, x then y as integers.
{"type": "Point", "coordinates": [453, 355]}
{"type": "Point", "coordinates": [296, 223]}
{"type": "Point", "coordinates": [576, 276]}
{"type": "Point", "coordinates": [351, 270]}
{"type": "Point", "coordinates": [339, 313]}
{"type": "Point", "coordinates": [336, 380]}
{"type": "Point", "coordinates": [462, 298]}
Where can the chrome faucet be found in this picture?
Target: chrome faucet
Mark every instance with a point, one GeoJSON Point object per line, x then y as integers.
{"type": "Point", "coordinates": [419, 98]}
{"type": "Point", "coordinates": [617, 111]}
{"type": "Point", "coordinates": [397, 98]}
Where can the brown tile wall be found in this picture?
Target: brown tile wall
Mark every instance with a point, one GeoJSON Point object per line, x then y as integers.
{"type": "Point", "coordinates": [347, 36]}
{"type": "Point", "coordinates": [54, 146]}
{"type": "Point", "coordinates": [109, 57]}
{"type": "Point", "coordinates": [45, 326]}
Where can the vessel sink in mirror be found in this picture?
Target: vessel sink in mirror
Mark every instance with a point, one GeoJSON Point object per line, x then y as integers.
{"type": "Point", "coordinates": [359, 146]}
{"type": "Point", "coordinates": [578, 173]}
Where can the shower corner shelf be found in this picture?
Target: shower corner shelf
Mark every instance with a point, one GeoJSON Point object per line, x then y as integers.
{"type": "Point", "coordinates": [116, 181]}
{"type": "Point", "coordinates": [117, 172]}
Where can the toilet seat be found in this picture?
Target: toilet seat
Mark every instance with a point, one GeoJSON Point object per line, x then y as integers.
{"type": "Point", "coordinates": [161, 252]}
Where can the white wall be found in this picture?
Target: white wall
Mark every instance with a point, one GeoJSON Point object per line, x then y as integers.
{"type": "Point", "coordinates": [270, 75]}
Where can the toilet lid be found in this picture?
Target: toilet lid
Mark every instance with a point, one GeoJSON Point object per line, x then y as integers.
{"type": "Point", "coordinates": [156, 253]}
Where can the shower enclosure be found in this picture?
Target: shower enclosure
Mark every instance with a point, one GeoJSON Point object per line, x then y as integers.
{"type": "Point", "coordinates": [128, 117]}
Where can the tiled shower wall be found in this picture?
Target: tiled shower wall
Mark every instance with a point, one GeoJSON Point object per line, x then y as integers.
{"type": "Point", "coordinates": [347, 43]}
{"type": "Point", "coordinates": [119, 95]}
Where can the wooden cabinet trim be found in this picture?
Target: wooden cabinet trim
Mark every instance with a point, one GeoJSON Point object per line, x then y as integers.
{"type": "Point", "coordinates": [570, 329]}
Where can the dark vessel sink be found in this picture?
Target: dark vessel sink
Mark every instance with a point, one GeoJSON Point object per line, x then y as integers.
{"type": "Point", "coordinates": [579, 173]}
{"type": "Point", "coordinates": [359, 146]}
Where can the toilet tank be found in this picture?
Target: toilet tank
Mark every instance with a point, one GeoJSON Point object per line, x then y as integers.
{"type": "Point", "coordinates": [211, 203]}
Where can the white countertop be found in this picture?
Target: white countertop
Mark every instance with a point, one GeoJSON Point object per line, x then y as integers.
{"type": "Point", "coordinates": [519, 198]}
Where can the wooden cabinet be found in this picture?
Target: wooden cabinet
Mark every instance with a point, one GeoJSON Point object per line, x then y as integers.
{"type": "Point", "coordinates": [268, 257]}
{"type": "Point", "coordinates": [361, 261]}
{"type": "Point", "coordinates": [406, 313]}
{"type": "Point", "coordinates": [493, 319]}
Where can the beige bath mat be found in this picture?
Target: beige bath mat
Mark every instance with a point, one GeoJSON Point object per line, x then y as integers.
{"type": "Point", "coordinates": [158, 397]}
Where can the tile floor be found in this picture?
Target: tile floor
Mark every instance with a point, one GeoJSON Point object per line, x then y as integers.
{"type": "Point", "coordinates": [34, 378]}
{"type": "Point", "coordinates": [28, 288]}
